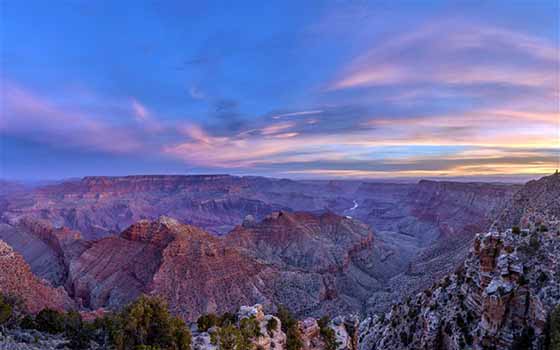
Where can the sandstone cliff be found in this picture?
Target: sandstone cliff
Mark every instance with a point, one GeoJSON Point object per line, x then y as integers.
{"type": "Point", "coordinates": [17, 279]}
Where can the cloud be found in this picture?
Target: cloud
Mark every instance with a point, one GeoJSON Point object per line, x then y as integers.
{"type": "Point", "coordinates": [31, 116]}
{"type": "Point", "coordinates": [455, 54]}
{"type": "Point", "coordinates": [140, 111]}
{"type": "Point", "coordinates": [196, 94]}
{"type": "Point", "coordinates": [144, 118]}
{"type": "Point", "coordinates": [276, 128]}
{"type": "Point", "coordinates": [296, 114]}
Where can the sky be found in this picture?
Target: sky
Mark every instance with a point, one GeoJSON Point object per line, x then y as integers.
{"type": "Point", "coordinates": [295, 89]}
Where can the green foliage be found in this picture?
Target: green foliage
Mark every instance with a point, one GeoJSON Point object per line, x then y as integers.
{"type": "Point", "coordinates": [271, 326]}
{"type": "Point", "coordinates": [327, 333]}
{"type": "Point", "coordinates": [228, 337]}
{"type": "Point", "coordinates": [50, 321]}
{"type": "Point", "coordinates": [534, 244]}
{"type": "Point", "coordinates": [290, 327]}
{"type": "Point", "coordinates": [5, 310]}
{"type": "Point", "coordinates": [11, 310]}
{"type": "Point", "coordinates": [147, 323]}
{"type": "Point", "coordinates": [227, 319]}
{"type": "Point", "coordinates": [205, 322]}
{"type": "Point", "coordinates": [249, 327]}
{"type": "Point", "coordinates": [286, 318]}
{"type": "Point", "coordinates": [293, 338]}
{"type": "Point", "coordinates": [28, 322]}
{"type": "Point", "coordinates": [554, 329]}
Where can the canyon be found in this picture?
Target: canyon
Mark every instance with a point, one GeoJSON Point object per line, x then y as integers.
{"type": "Point", "coordinates": [218, 229]}
{"type": "Point", "coordinates": [402, 257]}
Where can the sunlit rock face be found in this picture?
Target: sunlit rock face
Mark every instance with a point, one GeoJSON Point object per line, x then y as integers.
{"type": "Point", "coordinates": [17, 279]}
{"type": "Point", "coordinates": [199, 273]}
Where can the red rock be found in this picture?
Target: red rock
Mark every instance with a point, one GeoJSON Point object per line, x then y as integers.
{"type": "Point", "coordinates": [17, 279]}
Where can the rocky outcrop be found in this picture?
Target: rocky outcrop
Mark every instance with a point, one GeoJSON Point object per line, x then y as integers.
{"type": "Point", "coordinates": [536, 201]}
{"type": "Point", "coordinates": [272, 337]}
{"type": "Point", "coordinates": [17, 279]}
{"type": "Point", "coordinates": [499, 298]}
{"type": "Point", "coordinates": [320, 243]}
{"type": "Point", "coordinates": [428, 233]}
{"type": "Point", "coordinates": [306, 260]}
{"type": "Point", "coordinates": [193, 270]}
{"type": "Point", "coordinates": [47, 249]}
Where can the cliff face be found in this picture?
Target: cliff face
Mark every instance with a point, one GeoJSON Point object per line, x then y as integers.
{"type": "Point", "coordinates": [192, 269]}
{"type": "Point", "coordinates": [321, 243]}
{"type": "Point", "coordinates": [310, 263]}
{"type": "Point", "coordinates": [499, 298]}
{"type": "Point", "coordinates": [17, 279]}
{"type": "Point", "coordinates": [48, 250]}
{"type": "Point", "coordinates": [427, 233]}
{"type": "Point", "coordinates": [536, 201]}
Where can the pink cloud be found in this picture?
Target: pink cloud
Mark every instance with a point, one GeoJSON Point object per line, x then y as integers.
{"type": "Point", "coordinates": [140, 111]}
{"type": "Point", "coordinates": [296, 114]}
{"type": "Point", "coordinates": [437, 48]}
{"type": "Point", "coordinates": [32, 116]}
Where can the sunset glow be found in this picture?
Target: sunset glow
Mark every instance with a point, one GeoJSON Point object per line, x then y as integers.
{"type": "Point", "coordinates": [311, 90]}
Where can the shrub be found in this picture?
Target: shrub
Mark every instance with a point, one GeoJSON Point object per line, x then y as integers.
{"type": "Point", "coordinates": [327, 333]}
{"type": "Point", "coordinates": [554, 329]}
{"type": "Point", "coordinates": [28, 322]}
{"type": "Point", "coordinates": [293, 338]}
{"type": "Point", "coordinates": [229, 338]}
{"type": "Point", "coordinates": [250, 328]}
{"type": "Point", "coordinates": [147, 323]}
{"type": "Point", "coordinates": [285, 317]}
{"type": "Point", "coordinates": [271, 326]}
{"type": "Point", "coordinates": [534, 244]}
{"type": "Point", "coordinates": [5, 311]}
{"type": "Point", "coordinates": [50, 321]}
{"type": "Point", "coordinates": [11, 310]}
{"type": "Point", "coordinates": [290, 327]}
{"type": "Point", "coordinates": [227, 319]}
{"type": "Point", "coordinates": [205, 322]}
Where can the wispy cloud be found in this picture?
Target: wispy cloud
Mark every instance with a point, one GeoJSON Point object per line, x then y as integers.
{"type": "Point", "coordinates": [140, 112]}
{"type": "Point", "coordinates": [456, 54]}
{"type": "Point", "coordinates": [196, 94]}
{"type": "Point", "coordinates": [34, 117]}
{"type": "Point", "coordinates": [296, 114]}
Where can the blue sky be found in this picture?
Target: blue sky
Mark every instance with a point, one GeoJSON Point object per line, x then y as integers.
{"type": "Point", "coordinates": [290, 89]}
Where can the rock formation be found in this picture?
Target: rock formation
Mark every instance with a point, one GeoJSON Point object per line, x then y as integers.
{"type": "Point", "coordinates": [499, 298]}
{"type": "Point", "coordinates": [300, 260]}
{"type": "Point", "coordinates": [17, 279]}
